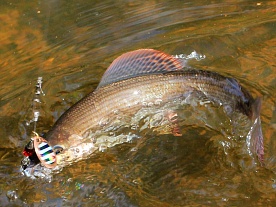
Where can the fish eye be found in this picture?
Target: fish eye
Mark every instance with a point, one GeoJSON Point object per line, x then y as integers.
{"type": "Point", "coordinates": [57, 149]}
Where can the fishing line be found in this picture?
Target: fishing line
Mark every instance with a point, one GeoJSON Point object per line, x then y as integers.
{"type": "Point", "coordinates": [29, 152]}
{"type": "Point", "coordinates": [36, 101]}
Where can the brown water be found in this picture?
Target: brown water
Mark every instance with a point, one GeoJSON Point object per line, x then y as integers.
{"type": "Point", "coordinates": [71, 43]}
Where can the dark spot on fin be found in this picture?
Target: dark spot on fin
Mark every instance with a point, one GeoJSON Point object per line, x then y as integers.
{"type": "Point", "coordinates": [256, 141]}
{"type": "Point", "coordinates": [140, 62]}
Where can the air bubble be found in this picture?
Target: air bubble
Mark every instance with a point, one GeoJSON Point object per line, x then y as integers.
{"type": "Point", "coordinates": [228, 109]}
{"type": "Point", "coordinates": [158, 101]}
{"type": "Point", "coordinates": [104, 121]}
{"type": "Point", "coordinates": [134, 126]}
{"type": "Point", "coordinates": [144, 104]}
{"type": "Point", "coordinates": [134, 149]}
{"type": "Point", "coordinates": [102, 148]}
{"type": "Point", "coordinates": [77, 150]}
{"type": "Point", "coordinates": [12, 195]}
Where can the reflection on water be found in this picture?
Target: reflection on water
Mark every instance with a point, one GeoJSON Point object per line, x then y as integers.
{"type": "Point", "coordinates": [71, 43]}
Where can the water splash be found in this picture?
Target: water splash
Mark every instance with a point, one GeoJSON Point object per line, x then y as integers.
{"type": "Point", "coordinates": [193, 55]}
{"type": "Point", "coordinates": [12, 195]}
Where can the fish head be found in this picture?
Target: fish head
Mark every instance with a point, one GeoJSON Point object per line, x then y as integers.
{"type": "Point", "coordinates": [41, 159]}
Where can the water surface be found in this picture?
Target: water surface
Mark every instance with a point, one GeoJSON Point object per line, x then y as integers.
{"type": "Point", "coordinates": [71, 43]}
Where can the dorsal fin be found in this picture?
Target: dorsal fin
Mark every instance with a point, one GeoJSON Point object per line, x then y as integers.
{"type": "Point", "coordinates": [139, 62]}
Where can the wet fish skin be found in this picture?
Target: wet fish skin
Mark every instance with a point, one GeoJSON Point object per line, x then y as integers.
{"type": "Point", "coordinates": [129, 95]}
{"type": "Point", "coordinates": [136, 78]}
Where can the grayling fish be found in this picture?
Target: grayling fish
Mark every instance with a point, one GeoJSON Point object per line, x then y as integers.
{"type": "Point", "coordinates": [133, 79]}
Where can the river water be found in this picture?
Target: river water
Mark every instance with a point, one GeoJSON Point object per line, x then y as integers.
{"type": "Point", "coordinates": [71, 43]}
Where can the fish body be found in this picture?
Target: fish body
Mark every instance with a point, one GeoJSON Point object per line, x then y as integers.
{"type": "Point", "coordinates": [149, 77]}
{"type": "Point", "coordinates": [130, 95]}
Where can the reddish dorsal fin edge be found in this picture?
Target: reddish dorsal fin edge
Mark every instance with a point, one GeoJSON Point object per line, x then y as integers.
{"type": "Point", "coordinates": [140, 62]}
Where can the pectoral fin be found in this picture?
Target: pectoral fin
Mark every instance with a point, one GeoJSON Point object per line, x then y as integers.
{"type": "Point", "coordinates": [174, 120]}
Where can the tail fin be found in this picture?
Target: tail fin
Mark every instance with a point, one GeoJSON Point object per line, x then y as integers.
{"type": "Point", "coordinates": [255, 136]}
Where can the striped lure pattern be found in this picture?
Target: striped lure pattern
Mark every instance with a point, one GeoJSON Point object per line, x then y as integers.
{"type": "Point", "coordinates": [47, 153]}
